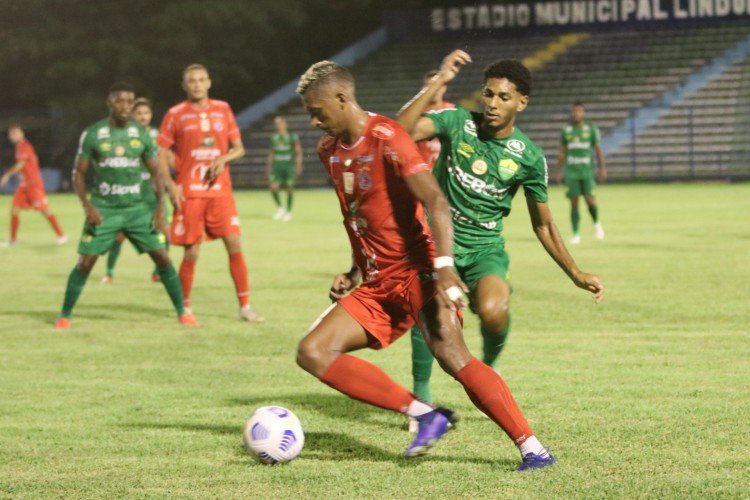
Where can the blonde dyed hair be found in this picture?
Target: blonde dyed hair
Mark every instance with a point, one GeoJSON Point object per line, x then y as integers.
{"type": "Point", "coordinates": [324, 72]}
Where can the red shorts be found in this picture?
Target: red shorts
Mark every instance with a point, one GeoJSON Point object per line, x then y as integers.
{"type": "Point", "coordinates": [212, 217]}
{"type": "Point", "coordinates": [30, 198]}
{"type": "Point", "coordinates": [389, 307]}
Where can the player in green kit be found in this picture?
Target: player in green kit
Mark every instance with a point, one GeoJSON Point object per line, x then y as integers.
{"type": "Point", "coordinates": [116, 149]}
{"type": "Point", "coordinates": [142, 113]}
{"type": "Point", "coordinates": [578, 141]}
{"type": "Point", "coordinates": [484, 160]}
{"type": "Point", "coordinates": [283, 165]}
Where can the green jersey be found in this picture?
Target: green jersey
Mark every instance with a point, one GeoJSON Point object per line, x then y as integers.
{"type": "Point", "coordinates": [480, 176]}
{"type": "Point", "coordinates": [579, 142]}
{"type": "Point", "coordinates": [147, 188]}
{"type": "Point", "coordinates": [116, 157]}
{"type": "Point", "coordinates": [282, 147]}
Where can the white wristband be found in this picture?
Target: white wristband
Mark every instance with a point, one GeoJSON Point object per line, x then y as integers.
{"type": "Point", "coordinates": [441, 262]}
{"type": "Point", "coordinates": [453, 293]}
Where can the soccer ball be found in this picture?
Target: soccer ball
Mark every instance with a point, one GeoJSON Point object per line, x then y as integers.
{"type": "Point", "coordinates": [273, 435]}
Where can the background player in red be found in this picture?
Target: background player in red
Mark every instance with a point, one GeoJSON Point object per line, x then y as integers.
{"type": "Point", "coordinates": [30, 194]}
{"type": "Point", "coordinates": [380, 179]}
{"type": "Point", "coordinates": [204, 137]}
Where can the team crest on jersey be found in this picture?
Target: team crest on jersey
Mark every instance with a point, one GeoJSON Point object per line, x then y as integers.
{"type": "Point", "coordinates": [102, 133]}
{"type": "Point", "coordinates": [348, 182]}
{"type": "Point", "coordinates": [179, 228]}
{"type": "Point", "coordinates": [104, 189]}
{"type": "Point", "coordinates": [119, 150]}
{"type": "Point", "coordinates": [218, 125]}
{"type": "Point", "coordinates": [479, 167]}
{"type": "Point", "coordinates": [383, 131]}
{"type": "Point", "coordinates": [133, 132]}
{"type": "Point", "coordinates": [464, 149]}
{"type": "Point", "coordinates": [105, 147]}
{"type": "Point", "coordinates": [364, 181]}
{"type": "Point", "coordinates": [508, 168]}
{"type": "Point", "coordinates": [470, 127]}
{"type": "Point", "coordinates": [208, 141]}
{"type": "Point", "coordinates": [135, 143]}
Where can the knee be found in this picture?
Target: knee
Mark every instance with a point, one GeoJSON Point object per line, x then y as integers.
{"type": "Point", "coordinates": [191, 254]}
{"type": "Point", "coordinates": [161, 259]}
{"type": "Point", "coordinates": [493, 314]}
{"type": "Point", "coordinates": [311, 357]}
{"type": "Point", "coordinates": [85, 264]}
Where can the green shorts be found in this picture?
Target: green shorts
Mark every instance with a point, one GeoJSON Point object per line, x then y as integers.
{"type": "Point", "coordinates": [492, 260]}
{"type": "Point", "coordinates": [580, 186]}
{"type": "Point", "coordinates": [135, 222]}
{"type": "Point", "coordinates": [285, 175]}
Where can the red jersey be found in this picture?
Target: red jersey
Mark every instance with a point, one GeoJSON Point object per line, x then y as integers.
{"type": "Point", "coordinates": [30, 176]}
{"type": "Point", "coordinates": [430, 150]}
{"type": "Point", "coordinates": [198, 136]}
{"type": "Point", "coordinates": [385, 222]}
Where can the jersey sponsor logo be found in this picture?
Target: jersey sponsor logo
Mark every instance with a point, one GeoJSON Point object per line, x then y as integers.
{"type": "Point", "coordinates": [234, 221]}
{"type": "Point", "coordinates": [179, 228]}
{"type": "Point", "coordinates": [462, 149]}
{"type": "Point", "coordinates": [516, 145]}
{"type": "Point", "coordinates": [120, 162]}
{"type": "Point", "coordinates": [216, 114]}
{"type": "Point", "coordinates": [364, 181]}
{"type": "Point", "coordinates": [199, 171]}
{"type": "Point", "coordinates": [106, 189]}
{"type": "Point", "coordinates": [578, 144]}
{"type": "Point", "coordinates": [462, 219]}
{"type": "Point", "coordinates": [508, 168]}
{"type": "Point", "coordinates": [119, 150]}
{"type": "Point", "coordinates": [383, 131]}
{"type": "Point", "coordinates": [479, 167]}
{"type": "Point", "coordinates": [477, 185]}
{"type": "Point", "coordinates": [470, 127]}
{"type": "Point", "coordinates": [208, 142]}
{"type": "Point", "coordinates": [218, 125]}
{"type": "Point", "coordinates": [133, 132]}
{"type": "Point", "coordinates": [102, 133]}
{"type": "Point", "coordinates": [573, 160]}
{"type": "Point", "coordinates": [365, 159]}
{"type": "Point", "coordinates": [188, 116]}
{"type": "Point", "coordinates": [135, 143]}
{"type": "Point", "coordinates": [348, 182]}
{"type": "Point", "coordinates": [145, 176]}
{"type": "Point", "coordinates": [191, 126]}
{"type": "Point", "coordinates": [205, 154]}
{"type": "Point", "coordinates": [105, 147]}
{"type": "Point", "coordinates": [334, 159]}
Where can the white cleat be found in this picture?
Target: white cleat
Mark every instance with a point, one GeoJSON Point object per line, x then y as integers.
{"type": "Point", "coordinates": [598, 231]}
{"type": "Point", "coordinates": [576, 239]}
{"type": "Point", "coordinates": [6, 244]}
{"type": "Point", "coordinates": [279, 213]}
{"type": "Point", "coordinates": [247, 314]}
{"type": "Point", "coordinates": [62, 240]}
{"type": "Point", "coordinates": [287, 217]}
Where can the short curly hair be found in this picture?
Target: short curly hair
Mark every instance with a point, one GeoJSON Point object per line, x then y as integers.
{"type": "Point", "coordinates": [514, 71]}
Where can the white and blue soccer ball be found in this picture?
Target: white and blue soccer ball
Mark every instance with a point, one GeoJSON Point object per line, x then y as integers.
{"type": "Point", "coordinates": [273, 435]}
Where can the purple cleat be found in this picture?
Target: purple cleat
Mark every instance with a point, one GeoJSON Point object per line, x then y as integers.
{"type": "Point", "coordinates": [432, 426]}
{"type": "Point", "coordinates": [533, 461]}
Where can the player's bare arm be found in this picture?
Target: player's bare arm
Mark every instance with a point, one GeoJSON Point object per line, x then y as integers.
{"type": "Point", "coordinates": [546, 230]}
{"type": "Point", "coordinates": [17, 167]}
{"type": "Point", "coordinates": [345, 282]}
{"type": "Point", "coordinates": [410, 116]}
{"type": "Point", "coordinates": [602, 166]}
{"type": "Point", "coordinates": [426, 189]}
{"type": "Point", "coordinates": [561, 163]}
{"type": "Point", "coordinates": [165, 161]}
{"type": "Point", "coordinates": [298, 157]}
{"type": "Point", "coordinates": [157, 181]}
{"type": "Point", "coordinates": [79, 183]}
{"type": "Point", "coordinates": [236, 150]}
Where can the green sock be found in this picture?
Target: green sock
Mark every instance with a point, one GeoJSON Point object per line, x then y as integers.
{"type": "Point", "coordinates": [575, 218]}
{"type": "Point", "coordinates": [156, 268]}
{"type": "Point", "coordinates": [171, 282]}
{"type": "Point", "coordinates": [112, 255]}
{"type": "Point", "coordinates": [76, 282]}
{"type": "Point", "coordinates": [594, 211]}
{"type": "Point", "coordinates": [289, 200]}
{"type": "Point", "coordinates": [421, 365]}
{"type": "Point", "coordinates": [493, 344]}
{"type": "Point", "coordinates": [276, 198]}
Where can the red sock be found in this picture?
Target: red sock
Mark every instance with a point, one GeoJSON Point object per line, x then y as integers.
{"type": "Point", "coordinates": [187, 272]}
{"type": "Point", "coordinates": [365, 382]}
{"type": "Point", "coordinates": [488, 392]}
{"type": "Point", "coordinates": [53, 221]}
{"type": "Point", "coordinates": [15, 221]}
{"type": "Point", "coordinates": [239, 274]}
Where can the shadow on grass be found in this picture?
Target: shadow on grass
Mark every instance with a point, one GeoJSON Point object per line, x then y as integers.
{"type": "Point", "coordinates": [45, 317]}
{"type": "Point", "coordinates": [330, 405]}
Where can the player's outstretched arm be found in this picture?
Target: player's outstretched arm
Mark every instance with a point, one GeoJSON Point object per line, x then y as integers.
{"type": "Point", "coordinates": [410, 116]}
{"type": "Point", "coordinates": [17, 167]}
{"type": "Point", "coordinates": [549, 236]}
{"type": "Point", "coordinates": [79, 183]}
{"type": "Point", "coordinates": [426, 189]}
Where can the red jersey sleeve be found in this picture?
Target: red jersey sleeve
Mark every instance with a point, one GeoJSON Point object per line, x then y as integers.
{"type": "Point", "coordinates": [233, 131]}
{"type": "Point", "coordinates": [167, 131]}
{"type": "Point", "coordinates": [23, 151]}
{"type": "Point", "coordinates": [403, 155]}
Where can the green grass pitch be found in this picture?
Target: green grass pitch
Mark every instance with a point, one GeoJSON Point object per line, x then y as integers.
{"type": "Point", "coordinates": [644, 395]}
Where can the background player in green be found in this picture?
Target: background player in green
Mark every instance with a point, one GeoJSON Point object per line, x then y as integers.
{"type": "Point", "coordinates": [483, 161]}
{"type": "Point", "coordinates": [283, 165]}
{"type": "Point", "coordinates": [142, 113]}
{"type": "Point", "coordinates": [578, 141]}
{"type": "Point", "coordinates": [116, 149]}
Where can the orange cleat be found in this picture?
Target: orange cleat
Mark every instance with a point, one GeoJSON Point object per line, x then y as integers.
{"type": "Point", "coordinates": [155, 278]}
{"type": "Point", "coordinates": [62, 324]}
{"type": "Point", "coordinates": [107, 279]}
{"type": "Point", "coordinates": [188, 319]}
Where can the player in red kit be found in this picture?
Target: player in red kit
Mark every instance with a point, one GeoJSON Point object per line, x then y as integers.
{"type": "Point", "coordinates": [204, 137]}
{"type": "Point", "coordinates": [30, 194]}
{"type": "Point", "coordinates": [383, 183]}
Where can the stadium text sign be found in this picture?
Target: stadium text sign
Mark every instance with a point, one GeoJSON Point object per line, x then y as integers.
{"type": "Point", "coordinates": [578, 12]}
